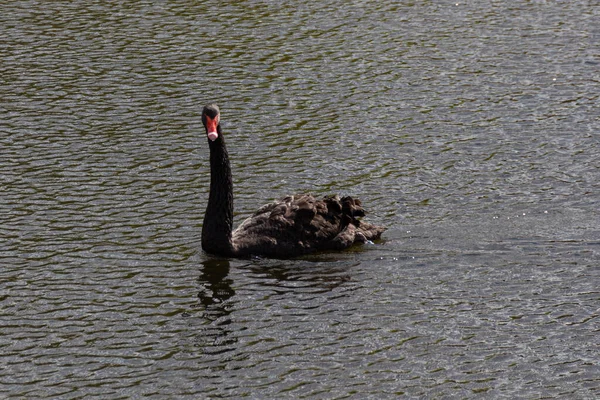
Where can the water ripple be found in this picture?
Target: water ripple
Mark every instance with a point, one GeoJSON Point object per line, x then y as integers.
{"type": "Point", "coordinates": [469, 129]}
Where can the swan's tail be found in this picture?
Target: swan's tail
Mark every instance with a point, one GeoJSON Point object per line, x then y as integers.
{"type": "Point", "coordinates": [355, 230]}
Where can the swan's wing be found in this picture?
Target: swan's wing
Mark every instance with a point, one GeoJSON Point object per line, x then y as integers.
{"type": "Point", "coordinates": [301, 224]}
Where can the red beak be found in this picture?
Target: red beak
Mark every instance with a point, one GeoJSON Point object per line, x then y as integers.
{"type": "Point", "coordinates": [211, 127]}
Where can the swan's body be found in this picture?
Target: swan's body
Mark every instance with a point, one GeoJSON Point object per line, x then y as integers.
{"type": "Point", "coordinates": [292, 226]}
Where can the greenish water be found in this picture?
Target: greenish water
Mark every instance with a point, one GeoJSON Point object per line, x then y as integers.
{"type": "Point", "coordinates": [469, 129]}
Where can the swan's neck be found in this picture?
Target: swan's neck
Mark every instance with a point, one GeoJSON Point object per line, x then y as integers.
{"type": "Point", "coordinates": [218, 220]}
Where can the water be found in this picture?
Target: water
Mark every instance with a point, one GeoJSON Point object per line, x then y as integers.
{"type": "Point", "coordinates": [469, 129]}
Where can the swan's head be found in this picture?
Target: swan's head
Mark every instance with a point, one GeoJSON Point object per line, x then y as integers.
{"type": "Point", "coordinates": [210, 119]}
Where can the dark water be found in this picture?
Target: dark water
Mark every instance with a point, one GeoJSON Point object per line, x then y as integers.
{"type": "Point", "coordinates": [469, 128]}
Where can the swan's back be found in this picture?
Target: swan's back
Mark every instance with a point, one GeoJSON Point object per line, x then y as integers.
{"type": "Point", "coordinates": [301, 224]}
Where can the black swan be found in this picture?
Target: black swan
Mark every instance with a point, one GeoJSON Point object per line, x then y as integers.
{"type": "Point", "coordinates": [290, 227]}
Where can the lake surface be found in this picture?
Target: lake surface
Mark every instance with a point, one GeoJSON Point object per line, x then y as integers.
{"type": "Point", "coordinates": [470, 129]}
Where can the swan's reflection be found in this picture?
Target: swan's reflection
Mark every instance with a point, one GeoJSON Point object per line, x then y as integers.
{"type": "Point", "coordinates": [270, 280]}
{"type": "Point", "coordinates": [217, 286]}
{"type": "Point", "coordinates": [216, 290]}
